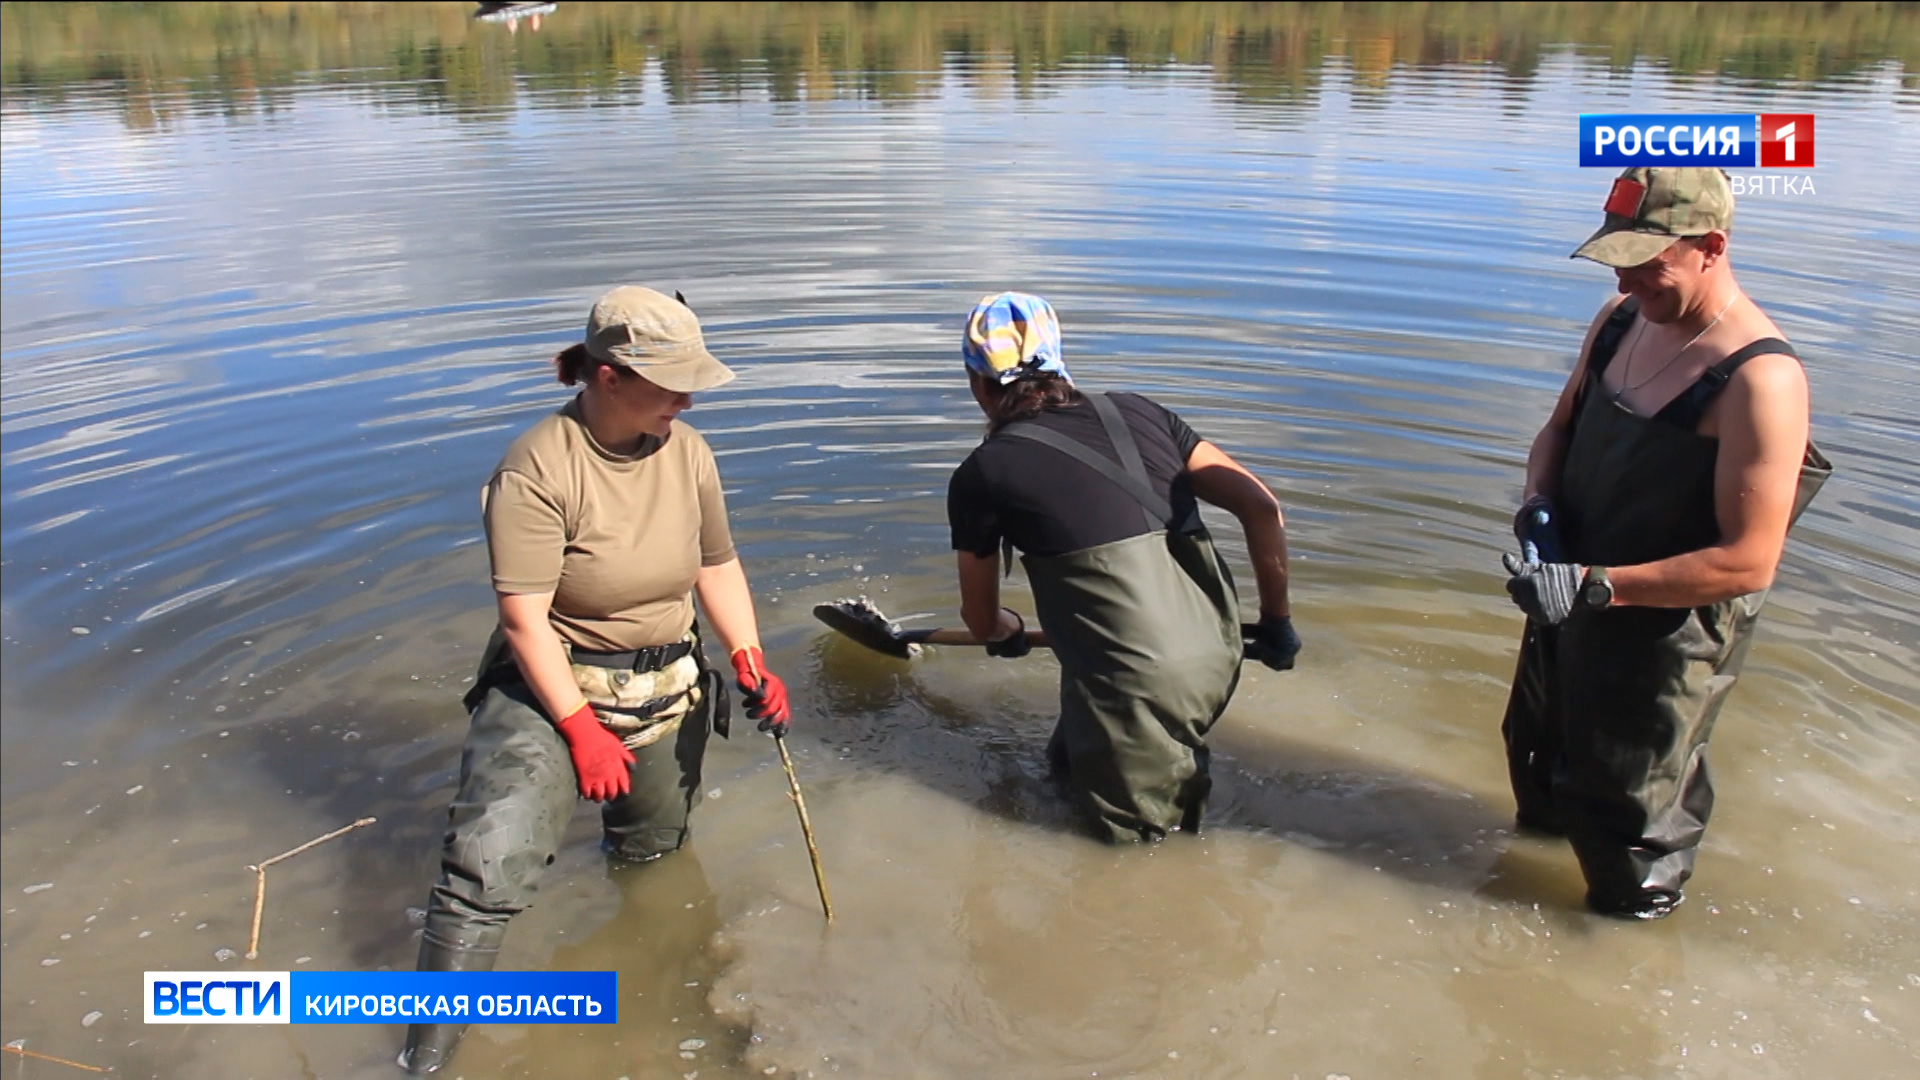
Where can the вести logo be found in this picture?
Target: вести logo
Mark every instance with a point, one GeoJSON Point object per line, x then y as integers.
{"type": "Point", "coordinates": [218, 997]}
{"type": "Point", "coordinates": [360, 997]}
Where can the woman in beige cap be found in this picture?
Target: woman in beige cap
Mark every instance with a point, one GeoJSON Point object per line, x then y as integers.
{"type": "Point", "coordinates": [603, 520]}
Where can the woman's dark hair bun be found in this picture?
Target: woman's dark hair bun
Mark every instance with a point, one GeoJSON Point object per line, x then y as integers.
{"type": "Point", "coordinates": [572, 365]}
{"type": "Point", "coordinates": [1029, 396]}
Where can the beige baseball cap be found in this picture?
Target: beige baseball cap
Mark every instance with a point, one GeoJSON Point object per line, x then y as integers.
{"type": "Point", "coordinates": [656, 337]}
{"type": "Point", "coordinates": [1648, 209]}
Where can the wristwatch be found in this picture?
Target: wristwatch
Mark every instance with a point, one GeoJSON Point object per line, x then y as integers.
{"type": "Point", "coordinates": [1597, 590]}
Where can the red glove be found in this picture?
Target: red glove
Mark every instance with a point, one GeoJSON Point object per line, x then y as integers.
{"type": "Point", "coordinates": [600, 759]}
{"type": "Point", "coordinates": [766, 694]}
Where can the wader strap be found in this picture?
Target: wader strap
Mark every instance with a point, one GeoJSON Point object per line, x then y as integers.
{"type": "Point", "coordinates": [1125, 447]}
{"type": "Point", "coordinates": [1605, 344]}
{"type": "Point", "coordinates": [1607, 341]}
{"type": "Point", "coordinates": [1158, 510]}
{"type": "Point", "coordinates": [1686, 410]}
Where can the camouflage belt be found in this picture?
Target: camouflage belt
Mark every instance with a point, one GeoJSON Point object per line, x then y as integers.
{"type": "Point", "coordinates": [642, 707]}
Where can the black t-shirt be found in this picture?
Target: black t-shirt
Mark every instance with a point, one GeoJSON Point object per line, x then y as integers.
{"type": "Point", "coordinates": [1047, 503]}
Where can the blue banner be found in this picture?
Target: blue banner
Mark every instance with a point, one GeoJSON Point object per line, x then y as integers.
{"type": "Point", "coordinates": [1627, 140]}
{"type": "Point", "coordinates": [455, 997]}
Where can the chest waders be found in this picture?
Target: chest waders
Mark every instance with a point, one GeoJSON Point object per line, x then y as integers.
{"type": "Point", "coordinates": [517, 792]}
{"type": "Point", "coordinates": [1147, 632]}
{"type": "Point", "coordinates": [1607, 723]}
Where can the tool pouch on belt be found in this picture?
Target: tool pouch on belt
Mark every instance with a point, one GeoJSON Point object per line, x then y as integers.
{"type": "Point", "coordinates": [644, 699]}
{"type": "Point", "coordinates": [641, 696]}
{"type": "Point", "coordinates": [713, 685]}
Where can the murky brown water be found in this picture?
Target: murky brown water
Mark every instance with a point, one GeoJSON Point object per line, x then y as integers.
{"type": "Point", "coordinates": [279, 281]}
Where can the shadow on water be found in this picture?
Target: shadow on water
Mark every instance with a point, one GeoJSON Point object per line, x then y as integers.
{"type": "Point", "coordinates": [660, 937]}
{"type": "Point", "coordinates": [401, 770]}
{"type": "Point", "coordinates": [1335, 802]}
{"type": "Point", "coordinates": [354, 903]}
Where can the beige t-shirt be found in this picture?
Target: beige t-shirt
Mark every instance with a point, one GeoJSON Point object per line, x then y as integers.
{"type": "Point", "coordinates": [616, 539]}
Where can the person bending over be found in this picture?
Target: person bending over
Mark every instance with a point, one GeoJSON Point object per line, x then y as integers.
{"type": "Point", "coordinates": [1097, 492]}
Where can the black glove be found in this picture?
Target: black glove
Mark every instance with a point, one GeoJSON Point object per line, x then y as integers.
{"type": "Point", "coordinates": [1273, 642]}
{"type": "Point", "coordinates": [1015, 645]}
{"type": "Point", "coordinates": [1534, 526]}
{"type": "Point", "coordinates": [1547, 592]}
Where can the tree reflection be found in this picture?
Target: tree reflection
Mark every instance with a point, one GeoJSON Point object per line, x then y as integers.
{"type": "Point", "coordinates": [166, 60]}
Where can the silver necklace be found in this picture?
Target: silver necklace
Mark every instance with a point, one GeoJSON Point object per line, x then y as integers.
{"type": "Point", "coordinates": [1627, 372]}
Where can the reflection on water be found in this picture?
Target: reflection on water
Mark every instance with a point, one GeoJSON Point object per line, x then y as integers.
{"type": "Point", "coordinates": [278, 283]}
{"type": "Point", "coordinates": [237, 59]}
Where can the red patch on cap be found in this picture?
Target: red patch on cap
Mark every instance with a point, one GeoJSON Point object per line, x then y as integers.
{"type": "Point", "coordinates": [1625, 197]}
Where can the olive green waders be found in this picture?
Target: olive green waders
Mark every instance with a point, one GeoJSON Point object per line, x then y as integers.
{"type": "Point", "coordinates": [1607, 723]}
{"type": "Point", "coordinates": [517, 794]}
{"type": "Point", "coordinates": [1147, 632]}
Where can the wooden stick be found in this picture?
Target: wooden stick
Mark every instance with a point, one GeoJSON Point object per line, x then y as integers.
{"type": "Point", "coordinates": [260, 879]}
{"type": "Point", "coordinates": [940, 635]}
{"type": "Point", "coordinates": [23, 1052]}
{"type": "Point", "coordinates": [799, 801]}
{"type": "Point", "coordinates": [806, 824]}
{"type": "Point", "coordinates": [864, 623]}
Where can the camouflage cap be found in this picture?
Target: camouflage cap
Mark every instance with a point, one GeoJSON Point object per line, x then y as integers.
{"type": "Point", "coordinates": [656, 337]}
{"type": "Point", "coordinates": [1648, 209]}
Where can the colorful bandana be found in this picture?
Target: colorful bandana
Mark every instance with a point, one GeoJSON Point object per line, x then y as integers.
{"type": "Point", "coordinates": [1012, 335]}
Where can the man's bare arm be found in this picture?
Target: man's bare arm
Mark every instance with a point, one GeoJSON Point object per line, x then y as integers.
{"type": "Point", "coordinates": [1762, 417]}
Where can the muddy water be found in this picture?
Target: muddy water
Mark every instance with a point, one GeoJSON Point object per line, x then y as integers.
{"type": "Point", "coordinates": [278, 286]}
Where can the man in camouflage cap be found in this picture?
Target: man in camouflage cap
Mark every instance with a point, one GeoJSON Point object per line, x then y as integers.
{"type": "Point", "coordinates": [1658, 499]}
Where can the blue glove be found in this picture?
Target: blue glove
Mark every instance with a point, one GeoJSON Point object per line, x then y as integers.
{"type": "Point", "coordinates": [1015, 645]}
{"type": "Point", "coordinates": [1274, 642]}
{"type": "Point", "coordinates": [1534, 527]}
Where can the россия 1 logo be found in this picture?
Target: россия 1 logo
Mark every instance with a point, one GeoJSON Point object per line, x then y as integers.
{"type": "Point", "coordinates": [1726, 140]}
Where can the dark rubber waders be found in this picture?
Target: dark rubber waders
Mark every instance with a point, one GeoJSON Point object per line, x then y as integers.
{"type": "Point", "coordinates": [1607, 723]}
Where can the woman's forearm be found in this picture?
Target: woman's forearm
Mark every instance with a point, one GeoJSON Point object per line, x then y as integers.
{"type": "Point", "coordinates": [728, 603]}
{"type": "Point", "coordinates": [543, 663]}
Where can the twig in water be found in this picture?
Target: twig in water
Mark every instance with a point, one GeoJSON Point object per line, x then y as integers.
{"type": "Point", "coordinates": [23, 1052]}
{"type": "Point", "coordinates": [260, 879]}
